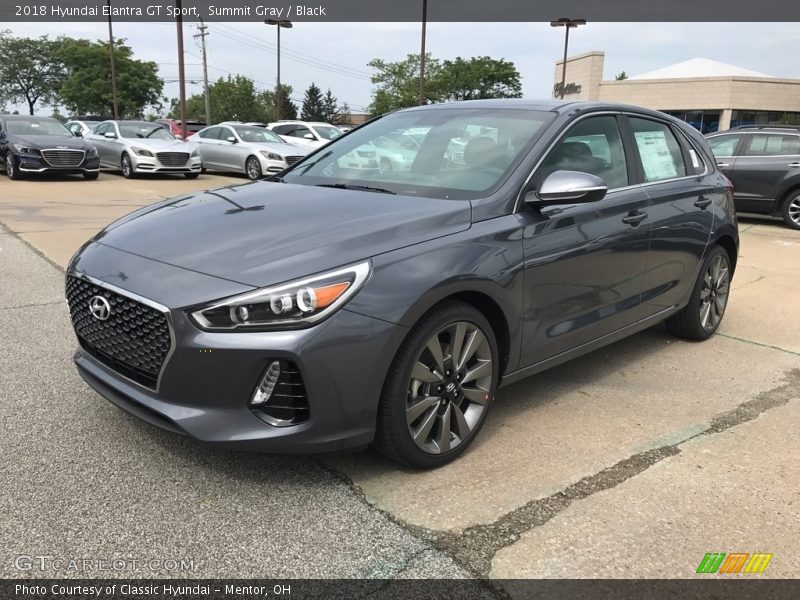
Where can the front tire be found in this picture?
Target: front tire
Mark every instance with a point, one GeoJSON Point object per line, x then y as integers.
{"type": "Point", "coordinates": [91, 176]}
{"type": "Point", "coordinates": [439, 387]}
{"type": "Point", "coordinates": [127, 167]}
{"type": "Point", "coordinates": [702, 316]}
{"type": "Point", "coordinates": [191, 175]}
{"type": "Point", "coordinates": [11, 168]}
{"type": "Point", "coordinates": [252, 167]}
{"type": "Point", "coordinates": [791, 210]}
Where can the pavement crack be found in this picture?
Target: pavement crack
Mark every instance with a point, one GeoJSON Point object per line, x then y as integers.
{"type": "Point", "coordinates": [32, 305]}
{"type": "Point", "coordinates": [763, 345]}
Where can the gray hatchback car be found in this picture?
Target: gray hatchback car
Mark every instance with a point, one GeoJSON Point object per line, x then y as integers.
{"type": "Point", "coordinates": [764, 165]}
{"type": "Point", "coordinates": [329, 308]}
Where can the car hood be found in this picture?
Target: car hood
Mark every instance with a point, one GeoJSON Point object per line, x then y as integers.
{"type": "Point", "coordinates": [282, 149]}
{"type": "Point", "coordinates": [49, 141]}
{"type": "Point", "coordinates": [264, 233]}
{"type": "Point", "coordinates": [161, 145]}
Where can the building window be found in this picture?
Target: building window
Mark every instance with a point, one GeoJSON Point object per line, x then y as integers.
{"type": "Point", "coordinates": [706, 121]}
{"type": "Point", "coordinates": [763, 117]}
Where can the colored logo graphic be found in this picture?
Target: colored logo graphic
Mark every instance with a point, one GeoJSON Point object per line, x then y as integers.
{"type": "Point", "coordinates": [736, 562]}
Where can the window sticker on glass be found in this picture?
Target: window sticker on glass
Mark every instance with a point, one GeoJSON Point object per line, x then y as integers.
{"type": "Point", "coordinates": [695, 161]}
{"type": "Point", "coordinates": [656, 158]}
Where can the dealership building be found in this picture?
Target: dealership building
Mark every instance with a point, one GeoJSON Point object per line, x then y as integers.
{"type": "Point", "coordinates": [710, 95]}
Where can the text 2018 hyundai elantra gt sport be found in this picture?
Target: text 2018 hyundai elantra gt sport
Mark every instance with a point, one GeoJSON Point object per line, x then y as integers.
{"type": "Point", "coordinates": [334, 308]}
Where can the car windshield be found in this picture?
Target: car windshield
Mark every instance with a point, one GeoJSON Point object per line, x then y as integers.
{"type": "Point", "coordinates": [327, 132]}
{"type": "Point", "coordinates": [145, 130]}
{"type": "Point", "coordinates": [37, 127]}
{"type": "Point", "coordinates": [258, 135]}
{"type": "Point", "coordinates": [456, 153]}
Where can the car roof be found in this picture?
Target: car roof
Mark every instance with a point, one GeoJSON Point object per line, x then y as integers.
{"type": "Point", "coordinates": [755, 128]}
{"type": "Point", "coordinates": [27, 118]}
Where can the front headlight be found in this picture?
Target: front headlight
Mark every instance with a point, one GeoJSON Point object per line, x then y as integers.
{"type": "Point", "coordinates": [195, 153]}
{"type": "Point", "coordinates": [92, 151]}
{"type": "Point", "coordinates": [271, 155]}
{"type": "Point", "coordinates": [287, 306]}
{"type": "Point", "coordinates": [26, 149]}
{"type": "Point", "coordinates": [141, 151]}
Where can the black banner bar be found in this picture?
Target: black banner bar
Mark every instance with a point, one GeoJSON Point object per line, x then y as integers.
{"type": "Point", "coordinates": [403, 10]}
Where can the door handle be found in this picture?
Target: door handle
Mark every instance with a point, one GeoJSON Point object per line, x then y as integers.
{"type": "Point", "coordinates": [634, 218]}
{"type": "Point", "coordinates": [721, 164]}
{"type": "Point", "coordinates": [702, 203]}
{"type": "Point", "coordinates": [794, 165]}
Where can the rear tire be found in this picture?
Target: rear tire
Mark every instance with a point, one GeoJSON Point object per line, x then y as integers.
{"type": "Point", "coordinates": [701, 318]}
{"type": "Point", "coordinates": [11, 168]}
{"type": "Point", "coordinates": [791, 210]}
{"type": "Point", "coordinates": [439, 388]}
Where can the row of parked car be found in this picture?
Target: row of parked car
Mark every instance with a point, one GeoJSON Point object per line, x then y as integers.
{"type": "Point", "coordinates": [763, 163]}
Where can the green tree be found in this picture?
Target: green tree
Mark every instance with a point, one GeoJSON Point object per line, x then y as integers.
{"type": "Point", "coordinates": [233, 98]}
{"type": "Point", "coordinates": [398, 83]}
{"type": "Point", "coordinates": [477, 78]}
{"type": "Point", "coordinates": [30, 70]}
{"type": "Point", "coordinates": [288, 108]}
{"type": "Point", "coordinates": [313, 105]}
{"type": "Point", "coordinates": [330, 113]}
{"type": "Point", "coordinates": [87, 85]}
{"type": "Point", "coordinates": [621, 76]}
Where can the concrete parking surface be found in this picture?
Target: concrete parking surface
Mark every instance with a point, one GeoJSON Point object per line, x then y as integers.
{"type": "Point", "coordinates": [633, 461]}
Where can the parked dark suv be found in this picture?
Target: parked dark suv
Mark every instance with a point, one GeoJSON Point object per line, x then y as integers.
{"type": "Point", "coordinates": [332, 308]}
{"type": "Point", "coordinates": [43, 145]}
{"type": "Point", "coordinates": [764, 165]}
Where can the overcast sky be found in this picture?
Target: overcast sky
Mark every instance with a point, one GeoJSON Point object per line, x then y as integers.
{"type": "Point", "coordinates": [334, 55]}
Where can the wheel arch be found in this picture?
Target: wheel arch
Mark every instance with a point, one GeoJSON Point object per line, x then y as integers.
{"type": "Point", "coordinates": [785, 194]}
{"type": "Point", "coordinates": [729, 245]}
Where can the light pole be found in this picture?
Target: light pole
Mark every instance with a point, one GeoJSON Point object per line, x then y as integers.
{"type": "Point", "coordinates": [181, 70]}
{"type": "Point", "coordinates": [422, 53]}
{"type": "Point", "coordinates": [288, 25]}
{"type": "Point", "coordinates": [113, 63]}
{"type": "Point", "coordinates": [567, 24]}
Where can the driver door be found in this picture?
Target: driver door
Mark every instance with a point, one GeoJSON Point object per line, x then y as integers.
{"type": "Point", "coordinates": [584, 263]}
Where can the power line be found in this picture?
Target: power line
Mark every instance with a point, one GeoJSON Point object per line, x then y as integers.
{"type": "Point", "coordinates": [203, 32]}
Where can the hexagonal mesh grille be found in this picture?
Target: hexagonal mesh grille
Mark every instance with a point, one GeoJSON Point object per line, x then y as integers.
{"type": "Point", "coordinates": [134, 340]}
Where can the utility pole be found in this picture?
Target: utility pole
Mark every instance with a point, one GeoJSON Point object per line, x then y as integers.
{"type": "Point", "coordinates": [202, 28]}
{"type": "Point", "coordinates": [422, 53]}
{"type": "Point", "coordinates": [113, 65]}
{"type": "Point", "coordinates": [181, 71]}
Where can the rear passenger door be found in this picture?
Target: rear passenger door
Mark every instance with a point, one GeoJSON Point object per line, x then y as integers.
{"type": "Point", "coordinates": [762, 167]}
{"type": "Point", "coordinates": [672, 172]}
{"type": "Point", "coordinates": [584, 263]}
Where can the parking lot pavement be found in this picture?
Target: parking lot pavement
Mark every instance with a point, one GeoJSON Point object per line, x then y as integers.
{"type": "Point", "coordinates": [626, 462]}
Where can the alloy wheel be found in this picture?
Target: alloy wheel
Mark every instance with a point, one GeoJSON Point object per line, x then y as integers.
{"type": "Point", "coordinates": [9, 165]}
{"type": "Point", "coordinates": [794, 210]}
{"type": "Point", "coordinates": [449, 387]}
{"type": "Point", "coordinates": [126, 166]}
{"type": "Point", "coordinates": [714, 293]}
{"type": "Point", "coordinates": [253, 168]}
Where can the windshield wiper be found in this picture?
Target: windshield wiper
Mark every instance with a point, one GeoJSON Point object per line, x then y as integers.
{"type": "Point", "coordinates": [362, 188]}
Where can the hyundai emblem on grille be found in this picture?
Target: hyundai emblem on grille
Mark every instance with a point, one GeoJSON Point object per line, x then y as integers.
{"type": "Point", "coordinates": [100, 308]}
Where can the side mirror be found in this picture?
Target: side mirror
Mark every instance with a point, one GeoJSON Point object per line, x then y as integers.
{"type": "Point", "coordinates": [309, 136]}
{"type": "Point", "coordinates": [77, 133]}
{"type": "Point", "coordinates": [568, 187]}
{"type": "Point", "coordinates": [110, 135]}
{"type": "Point", "coordinates": [231, 139]}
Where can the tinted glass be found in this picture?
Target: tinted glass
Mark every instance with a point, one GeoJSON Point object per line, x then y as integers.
{"type": "Point", "coordinates": [592, 146]}
{"type": "Point", "coordinates": [283, 129]}
{"type": "Point", "coordinates": [300, 131]}
{"type": "Point", "coordinates": [724, 145]}
{"type": "Point", "coordinates": [658, 149]}
{"type": "Point", "coordinates": [327, 132]}
{"type": "Point", "coordinates": [209, 134]}
{"type": "Point", "coordinates": [144, 130]}
{"type": "Point", "coordinates": [445, 163]}
{"type": "Point", "coordinates": [762, 144]}
{"type": "Point", "coordinates": [35, 126]}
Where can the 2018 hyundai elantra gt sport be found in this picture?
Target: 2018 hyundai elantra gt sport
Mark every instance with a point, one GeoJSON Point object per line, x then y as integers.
{"type": "Point", "coordinates": [332, 308]}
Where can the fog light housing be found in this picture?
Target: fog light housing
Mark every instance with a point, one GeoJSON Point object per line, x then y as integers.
{"type": "Point", "coordinates": [280, 397]}
{"type": "Point", "coordinates": [268, 382]}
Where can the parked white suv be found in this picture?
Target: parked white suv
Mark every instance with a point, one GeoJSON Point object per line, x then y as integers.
{"type": "Point", "coordinates": [313, 135]}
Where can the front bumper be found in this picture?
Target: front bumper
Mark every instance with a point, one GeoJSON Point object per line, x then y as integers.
{"type": "Point", "coordinates": [151, 164]}
{"type": "Point", "coordinates": [208, 379]}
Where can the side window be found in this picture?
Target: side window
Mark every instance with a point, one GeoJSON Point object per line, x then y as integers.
{"type": "Point", "coordinates": [208, 134]}
{"type": "Point", "coordinates": [724, 145]}
{"type": "Point", "coordinates": [102, 129]}
{"type": "Point", "coordinates": [300, 132]}
{"type": "Point", "coordinates": [594, 146]}
{"type": "Point", "coordinates": [225, 133]}
{"type": "Point", "coordinates": [659, 151]}
{"type": "Point", "coordinates": [762, 144]}
{"type": "Point", "coordinates": [284, 129]}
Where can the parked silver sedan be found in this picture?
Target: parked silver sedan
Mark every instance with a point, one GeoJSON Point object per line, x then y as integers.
{"type": "Point", "coordinates": [137, 147]}
{"type": "Point", "coordinates": [248, 149]}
